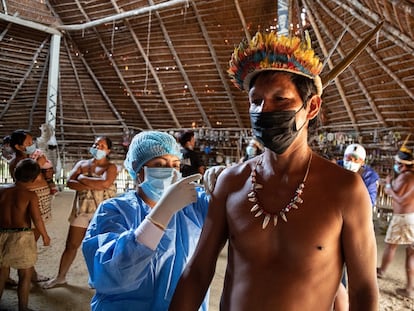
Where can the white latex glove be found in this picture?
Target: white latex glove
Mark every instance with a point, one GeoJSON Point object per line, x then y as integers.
{"type": "Point", "coordinates": [174, 198]}
{"type": "Point", "coordinates": [210, 177]}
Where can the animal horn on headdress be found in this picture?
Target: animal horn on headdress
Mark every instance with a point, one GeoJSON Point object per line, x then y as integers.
{"type": "Point", "coordinates": [341, 66]}
{"type": "Point", "coordinates": [404, 147]}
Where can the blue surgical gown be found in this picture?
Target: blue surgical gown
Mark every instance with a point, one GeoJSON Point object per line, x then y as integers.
{"type": "Point", "coordinates": [126, 274]}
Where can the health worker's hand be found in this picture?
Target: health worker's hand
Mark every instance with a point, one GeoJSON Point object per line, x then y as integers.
{"type": "Point", "coordinates": [210, 177]}
{"type": "Point", "coordinates": [175, 197]}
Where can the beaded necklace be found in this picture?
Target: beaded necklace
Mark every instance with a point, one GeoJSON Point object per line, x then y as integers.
{"type": "Point", "coordinates": [258, 209]}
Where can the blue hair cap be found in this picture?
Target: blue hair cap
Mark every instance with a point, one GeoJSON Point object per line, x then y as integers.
{"type": "Point", "coordinates": [146, 146]}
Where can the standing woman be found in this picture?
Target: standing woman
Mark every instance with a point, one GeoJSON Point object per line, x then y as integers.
{"type": "Point", "coordinates": [22, 143]}
{"type": "Point", "coordinates": [138, 243]}
{"type": "Point", "coordinates": [94, 182]}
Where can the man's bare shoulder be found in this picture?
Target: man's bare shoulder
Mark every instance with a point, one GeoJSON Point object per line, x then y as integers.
{"type": "Point", "coordinates": [237, 170]}
{"type": "Point", "coordinates": [407, 176]}
{"type": "Point", "coordinates": [328, 169]}
{"type": "Point", "coordinates": [233, 177]}
{"type": "Point", "coordinates": [334, 179]}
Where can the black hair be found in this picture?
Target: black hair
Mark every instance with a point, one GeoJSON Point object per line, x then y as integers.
{"type": "Point", "coordinates": [6, 139]}
{"type": "Point", "coordinates": [26, 170]}
{"type": "Point", "coordinates": [185, 136]}
{"type": "Point", "coordinates": [305, 86]}
{"type": "Point", "coordinates": [107, 140]}
{"type": "Point", "coordinates": [17, 138]}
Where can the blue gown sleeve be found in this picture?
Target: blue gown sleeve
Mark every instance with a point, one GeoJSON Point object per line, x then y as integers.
{"type": "Point", "coordinates": [116, 261]}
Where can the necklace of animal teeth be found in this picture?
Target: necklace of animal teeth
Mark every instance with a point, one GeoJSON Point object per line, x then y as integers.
{"type": "Point", "coordinates": [258, 210]}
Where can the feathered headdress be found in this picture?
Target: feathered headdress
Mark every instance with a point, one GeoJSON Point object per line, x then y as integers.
{"type": "Point", "coordinates": [404, 155]}
{"type": "Point", "coordinates": [270, 51]}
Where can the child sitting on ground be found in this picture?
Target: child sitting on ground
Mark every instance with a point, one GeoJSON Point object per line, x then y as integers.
{"type": "Point", "coordinates": [19, 208]}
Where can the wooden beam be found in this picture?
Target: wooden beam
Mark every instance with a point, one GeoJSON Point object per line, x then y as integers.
{"type": "Point", "coordinates": [180, 66]}
{"type": "Point", "coordinates": [118, 72]}
{"type": "Point", "coordinates": [223, 77]}
{"type": "Point", "coordinates": [82, 96]}
{"type": "Point", "coordinates": [311, 10]}
{"type": "Point", "coordinates": [151, 68]}
{"type": "Point", "coordinates": [23, 80]}
{"type": "Point", "coordinates": [123, 15]}
{"type": "Point", "coordinates": [29, 24]}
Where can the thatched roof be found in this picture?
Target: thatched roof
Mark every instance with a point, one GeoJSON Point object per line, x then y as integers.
{"type": "Point", "coordinates": [128, 65]}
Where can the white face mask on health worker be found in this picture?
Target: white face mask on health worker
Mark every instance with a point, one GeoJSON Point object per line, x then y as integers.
{"type": "Point", "coordinates": [157, 179]}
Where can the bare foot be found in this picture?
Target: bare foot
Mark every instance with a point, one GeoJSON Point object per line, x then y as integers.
{"type": "Point", "coordinates": [10, 283]}
{"type": "Point", "coordinates": [405, 293]}
{"type": "Point", "coordinates": [380, 273]}
{"type": "Point", "coordinates": [54, 283]}
{"type": "Point", "coordinates": [36, 278]}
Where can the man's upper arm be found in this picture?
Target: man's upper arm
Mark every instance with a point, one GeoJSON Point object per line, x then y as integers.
{"type": "Point", "coordinates": [359, 243]}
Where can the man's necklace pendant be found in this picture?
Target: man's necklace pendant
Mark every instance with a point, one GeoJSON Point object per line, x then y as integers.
{"type": "Point", "coordinates": [257, 208]}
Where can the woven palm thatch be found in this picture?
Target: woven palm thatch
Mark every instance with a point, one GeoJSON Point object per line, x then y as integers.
{"type": "Point", "coordinates": [129, 65]}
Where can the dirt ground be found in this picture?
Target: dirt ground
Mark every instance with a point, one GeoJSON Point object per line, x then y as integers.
{"type": "Point", "coordinates": [76, 294]}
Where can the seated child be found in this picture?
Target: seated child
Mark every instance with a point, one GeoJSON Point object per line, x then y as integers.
{"type": "Point", "coordinates": [19, 208]}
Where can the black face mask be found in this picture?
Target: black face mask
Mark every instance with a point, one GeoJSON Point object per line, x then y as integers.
{"type": "Point", "coordinates": [277, 129]}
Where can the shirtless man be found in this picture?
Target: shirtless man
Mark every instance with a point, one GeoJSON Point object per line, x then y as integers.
{"type": "Point", "coordinates": [401, 228]}
{"type": "Point", "coordinates": [291, 218]}
{"type": "Point", "coordinates": [19, 207]}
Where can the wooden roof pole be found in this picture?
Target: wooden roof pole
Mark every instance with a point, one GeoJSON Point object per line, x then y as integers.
{"type": "Point", "coordinates": [29, 24]}
{"type": "Point", "coordinates": [24, 78]}
{"type": "Point", "coordinates": [363, 88]}
{"type": "Point", "coordinates": [52, 84]}
{"type": "Point", "coordinates": [98, 85]}
{"type": "Point", "coordinates": [223, 77]}
{"type": "Point", "coordinates": [78, 82]}
{"type": "Point", "coordinates": [376, 58]}
{"type": "Point", "coordinates": [390, 32]}
{"type": "Point", "coordinates": [103, 93]}
{"type": "Point", "coordinates": [123, 15]}
{"type": "Point", "coordinates": [325, 51]}
{"type": "Point", "coordinates": [242, 20]}
{"type": "Point", "coordinates": [181, 68]}
{"type": "Point", "coordinates": [151, 68]}
{"type": "Point", "coordinates": [118, 72]}
{"type": "Point", "coordinates": [38, 90]}
{"type": "Point", "coordinates": [4, 32]}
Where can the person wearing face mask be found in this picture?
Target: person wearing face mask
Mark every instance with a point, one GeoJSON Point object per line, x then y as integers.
{"type": "Point", "coordinates": [253, 149]}
{"type": "Point", "coordinates": [138, 243]}
{"type": "Point", "coordinates": [7, 151]}
{"type": "Point", "coordinates": [400, 230]}
{"type": "Point", "coordinates": [291, 218]}
{"type": "Point", "coordinates": [94, 181]}
{"type": "Point", "coordinates": [354, 160]}
{"type": "Point", "coordinates": [22, 143]}
{"type": "Point", "coordinates": [23, 146]}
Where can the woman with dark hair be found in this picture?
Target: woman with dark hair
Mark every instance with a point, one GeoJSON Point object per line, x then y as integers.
{"type": "Point", "coordinates": [93, 179]}
{"type": "Point", "coordinates": [22, 143]}
{"type": "Point", "coordinates": [138, 243]}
